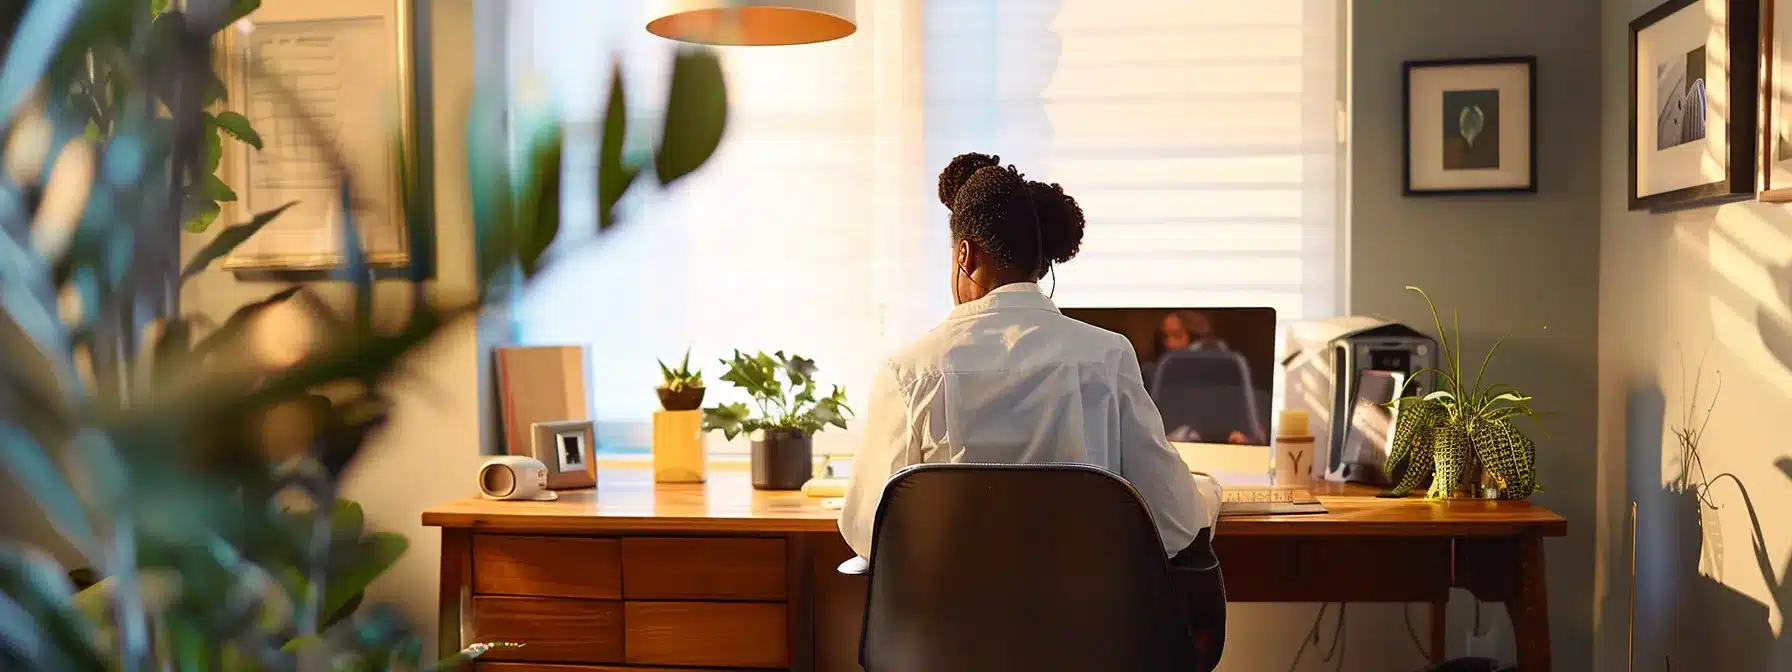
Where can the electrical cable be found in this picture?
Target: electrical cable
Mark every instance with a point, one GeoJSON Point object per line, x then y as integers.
{"type": "Point", "coordinates": [1312, 638]}
{"type": "Point", "coordinates": [1411, 633]}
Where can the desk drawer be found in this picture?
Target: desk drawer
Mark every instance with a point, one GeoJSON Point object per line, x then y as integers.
{"type": "Point", "coordinates": [718, 569]}
{"type": "Point", "coordinates": [1334, 569]}
{"type": "Point", "coordinates": [554, 631]}
{"type": "Point", "coordinates": [706, 634]}
{"type": "Point", "coordinates": [547, 567]}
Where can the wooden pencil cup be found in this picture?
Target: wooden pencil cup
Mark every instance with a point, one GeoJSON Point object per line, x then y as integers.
{"type": "Point", "coordinates": [678, 447]}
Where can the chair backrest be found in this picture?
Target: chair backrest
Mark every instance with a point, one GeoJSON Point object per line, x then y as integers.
{"type": "Point", "coordinates": [1019, 567]}
{"type": "Point", "coordinates": [1209, 391]}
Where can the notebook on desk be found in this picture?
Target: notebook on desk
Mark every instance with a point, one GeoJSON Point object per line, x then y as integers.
{"type": "Point", "coordinates": [1251, 501]}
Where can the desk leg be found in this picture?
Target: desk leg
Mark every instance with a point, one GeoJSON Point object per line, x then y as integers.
{"type": "Point", "coordinates": [456, 586]}
{"type": "Point", "coordinates": [1529, 608]}
{"type": "Point", "coordinates": [1439, 648]}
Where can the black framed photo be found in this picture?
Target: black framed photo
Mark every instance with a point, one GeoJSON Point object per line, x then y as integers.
{"type": "Point", "coordinates": [1692, 117]}
{"type": "Point", "coordinates": [1471, 126]}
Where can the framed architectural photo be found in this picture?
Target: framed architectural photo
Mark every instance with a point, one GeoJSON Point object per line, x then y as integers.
{"type": "Point", "coordinates": [1692, 117]}
{"type": "Point", "coordinates": [1776, 102]}
{"type": "Point", "coordinates": [1471, 126]}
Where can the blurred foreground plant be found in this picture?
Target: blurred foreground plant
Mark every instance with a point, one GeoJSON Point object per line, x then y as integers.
{"type": "Point", "coordinates": [142, 434]}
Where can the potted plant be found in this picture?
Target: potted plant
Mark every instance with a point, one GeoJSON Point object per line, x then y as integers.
{"type": "Point", "coordinates": [683, 388]}
{"type": "Point", "coordinates": [789, 414]}
{"type": "Point", "coordinates": [1460, 438]}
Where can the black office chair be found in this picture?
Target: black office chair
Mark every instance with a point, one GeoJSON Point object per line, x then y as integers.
{"type": "Point", "coordinates": [1209, 391]}
{"type": "Point", "coordinates": [986, 568]}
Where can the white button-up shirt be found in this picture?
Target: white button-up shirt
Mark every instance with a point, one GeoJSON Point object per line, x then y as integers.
{"type": "Point", "coordinates": [1008, 379]}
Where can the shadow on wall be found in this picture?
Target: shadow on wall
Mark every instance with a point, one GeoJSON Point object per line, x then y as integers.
{"type": "Point", "coordinates": [1684, 618]}
{"type": "Point", "coordinates": [1775, 334]}
{"type": "Point", "coordinates": [1687, 613]}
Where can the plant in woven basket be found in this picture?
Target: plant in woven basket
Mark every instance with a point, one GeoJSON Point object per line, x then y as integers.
{"type": "Point", "coordinates": [1460, 438]}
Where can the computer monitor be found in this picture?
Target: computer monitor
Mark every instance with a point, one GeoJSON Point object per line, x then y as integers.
{"type": "Point", "coordinates": [1210, 370]}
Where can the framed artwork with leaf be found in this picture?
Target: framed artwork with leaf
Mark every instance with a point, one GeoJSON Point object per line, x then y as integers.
{"type": "Point", "coordinates": [1471, 126]}
{"type": "Point", "coordinates": [1692, 115]}
{"type": "Point", "coordinates": [337, 69]}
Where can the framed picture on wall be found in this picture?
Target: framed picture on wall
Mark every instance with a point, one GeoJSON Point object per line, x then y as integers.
{"type": "Point", "coordinates": [1471, 126]}
{"type": "Point", "coordinates": [1692, 117]}
{"type": "Point", "coordinates": [1776, 102]}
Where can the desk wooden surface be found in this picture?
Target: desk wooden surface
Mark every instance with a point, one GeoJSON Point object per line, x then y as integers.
{"type": "Point", "coordinates": [628, 500]}
{"type": "Point", "coordinates": [677, 576]}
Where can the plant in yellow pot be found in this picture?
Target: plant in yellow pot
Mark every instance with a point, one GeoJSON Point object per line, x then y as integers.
{"type": "Point", "coordinates": [1460, 438]}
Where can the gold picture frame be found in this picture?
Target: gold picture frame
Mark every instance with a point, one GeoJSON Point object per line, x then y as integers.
{"type": "Point", "coordinates": [308, 71]}
{"type": "Point", "coordinates": [1775, 137]}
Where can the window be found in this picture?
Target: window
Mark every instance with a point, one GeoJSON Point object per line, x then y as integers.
{"type": "Point", "coordinates": [1200, 139]}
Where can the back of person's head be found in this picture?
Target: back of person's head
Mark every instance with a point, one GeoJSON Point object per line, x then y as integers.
{"type": "Point", "coordinates": [1024, 225]}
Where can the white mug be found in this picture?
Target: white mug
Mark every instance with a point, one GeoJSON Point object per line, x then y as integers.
{"type": "Point", "coordinates": [515, 477]}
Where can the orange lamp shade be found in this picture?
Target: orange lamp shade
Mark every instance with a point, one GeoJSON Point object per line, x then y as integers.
{"type": "Point", "coordinates": [754, 22]}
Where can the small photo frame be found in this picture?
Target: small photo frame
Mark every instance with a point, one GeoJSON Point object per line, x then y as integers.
{"type": "Point", "coordinates": [1471, 126]}
{"type": "Point", "coordinates": [1692, 115]}
{"type": "Point", "coordinates": [568, 448]}
{"type": "Point", "coordinates": [1776, 102]}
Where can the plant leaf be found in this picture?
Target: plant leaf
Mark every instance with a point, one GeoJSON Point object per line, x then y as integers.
{"type": "Point", "coordinates": [238, 127]}
{"type": "Point", "coordinates": [376, 553]}
{"type": "Point", "coordinates": [228, 240]}
{"type": "Point", "coordinates": [215, 189]}
{"type": "Point", "coordinates": [539, 222]}
{"type": "Point", "coordinates": [240, 9]}
{"type": "Point", "coordinates": [214, 148]}
{"type": "Point", "coordinates": [200, 215]}
{"type": "Point", "coordinates": [36, 40]}
{"type": "Point", "coordinates": [613, 176]}
{"type": "Point", "coordinates": [32, 470]}
{"type": "Point", "coordinates": [726, 417]}
{"type": "Point", "coordinates": [696, 114]}
{"type": "Point", "coordinates": [488, 181]}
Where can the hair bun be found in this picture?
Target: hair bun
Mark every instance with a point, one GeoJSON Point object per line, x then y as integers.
{"type": "Point", "coordinates": [959, 171]}
{"type": "Point", "coordinates": [1061, 221]}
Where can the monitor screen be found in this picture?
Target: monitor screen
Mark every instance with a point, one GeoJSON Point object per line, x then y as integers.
{"type": "Point", "coordinates": [1210, 370]}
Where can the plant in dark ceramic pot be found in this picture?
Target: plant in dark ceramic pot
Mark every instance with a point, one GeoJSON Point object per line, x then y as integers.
{"type": "Point", "coordinates": [790, 413]}
{"type": "Point", "coordinates": [682, 389]}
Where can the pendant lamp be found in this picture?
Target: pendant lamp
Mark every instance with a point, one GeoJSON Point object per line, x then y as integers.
{"type": "Point", "coordinates": [756, 23]}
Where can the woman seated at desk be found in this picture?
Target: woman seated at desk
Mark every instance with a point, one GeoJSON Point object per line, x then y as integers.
{"type": "Point", "coordinates": [1007, 378]}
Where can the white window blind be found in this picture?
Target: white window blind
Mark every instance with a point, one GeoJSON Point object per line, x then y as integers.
{"type": "Point", "coordinates": [781, 242]}
{"type": "Point", "coordinates": [1199, 137]}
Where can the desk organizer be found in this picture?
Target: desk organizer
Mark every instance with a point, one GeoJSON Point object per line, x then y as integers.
{"type": "Point", "coordinates": [678, 447]}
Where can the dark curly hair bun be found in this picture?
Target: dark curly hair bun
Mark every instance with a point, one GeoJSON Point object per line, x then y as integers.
{"type": "Point", "coordinates": [1060, 221]}
{"type": "Point", "coordinates": [959, 172]}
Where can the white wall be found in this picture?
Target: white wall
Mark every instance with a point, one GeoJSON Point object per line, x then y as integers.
{"type": "Point", "coordinates": [1711, 282]}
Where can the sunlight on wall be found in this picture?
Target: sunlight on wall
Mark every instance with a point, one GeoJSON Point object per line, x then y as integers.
{"type": "Point", "coordinates": [1722, 291]}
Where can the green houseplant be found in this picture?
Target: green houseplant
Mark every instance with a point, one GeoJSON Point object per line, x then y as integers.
{"type": "Point", "coordinates": [1460, 438]}
{"type": "Point", "coordinates": [135, 428]}
{"type": "Point", "coordinates": [681, 388]}
{"type": "Point", "coordinates": [790, 412]}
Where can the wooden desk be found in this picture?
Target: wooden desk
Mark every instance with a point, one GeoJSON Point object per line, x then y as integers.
{"type": "Point", "coordinates": [662, 578]}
